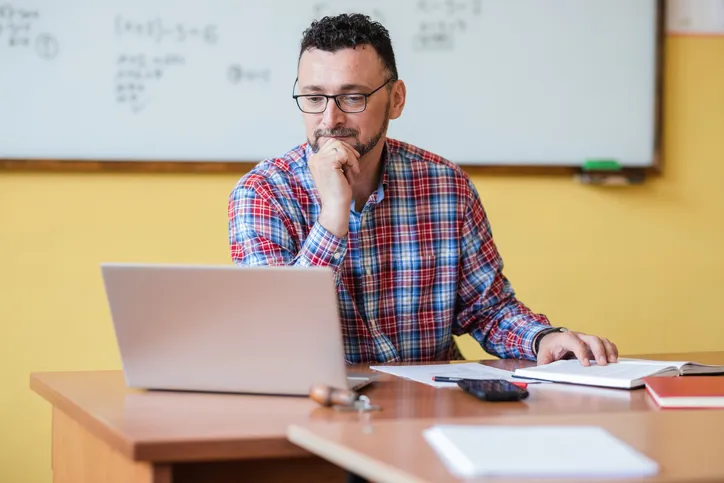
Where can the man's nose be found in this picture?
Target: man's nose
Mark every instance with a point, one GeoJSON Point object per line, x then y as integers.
{"type": "Point", "coordinates": [333, 115]}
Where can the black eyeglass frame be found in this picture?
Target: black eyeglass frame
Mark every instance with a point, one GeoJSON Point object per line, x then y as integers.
{"type": "Point", "coordinates": [335, 98]}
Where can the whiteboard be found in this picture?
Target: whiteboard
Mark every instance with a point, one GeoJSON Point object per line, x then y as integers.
{"type": "Point", "coordinates": [490, 82]}
{"type": "Point", "coordinates": [695, 17]}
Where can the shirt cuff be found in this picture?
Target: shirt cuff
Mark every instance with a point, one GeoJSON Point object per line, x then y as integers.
{"type": "Point", "coordinates": [531, 334]}
{"type": "Point", "coordinates": [322, 249]}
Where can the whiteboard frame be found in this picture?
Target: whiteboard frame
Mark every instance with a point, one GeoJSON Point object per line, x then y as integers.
{"type": "Point", "coordinates": [243, 166]}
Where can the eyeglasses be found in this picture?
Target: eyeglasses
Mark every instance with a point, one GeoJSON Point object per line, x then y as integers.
{"type": "Point", "coordinates": [350, 103]}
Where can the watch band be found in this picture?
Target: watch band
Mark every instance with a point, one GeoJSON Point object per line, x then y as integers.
{"type": "Point", "coordinates": [543, 333]}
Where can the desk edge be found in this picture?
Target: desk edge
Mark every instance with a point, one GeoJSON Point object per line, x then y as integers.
{"type": "Point", "coordinates": [75, 412]}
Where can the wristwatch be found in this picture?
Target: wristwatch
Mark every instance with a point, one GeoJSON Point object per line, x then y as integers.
{"type": "Point", "coordinates": [541, 334]}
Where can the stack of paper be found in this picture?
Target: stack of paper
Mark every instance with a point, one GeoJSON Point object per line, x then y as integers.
{"type": "Point", "coordinates": [543, 451]}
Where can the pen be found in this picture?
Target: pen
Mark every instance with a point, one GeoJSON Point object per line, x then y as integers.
{"type": "Point", "coordinates": [446, 379]}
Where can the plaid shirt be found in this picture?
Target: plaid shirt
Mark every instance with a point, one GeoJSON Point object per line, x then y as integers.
{"type": "Point", "coordinates": [417, 265]}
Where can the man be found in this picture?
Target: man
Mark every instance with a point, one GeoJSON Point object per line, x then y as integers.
{"type": "Point", "coordinates": [403, 229]}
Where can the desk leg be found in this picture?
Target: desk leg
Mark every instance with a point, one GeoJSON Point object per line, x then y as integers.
{"type": "Point", "coordinates": [79, 457]}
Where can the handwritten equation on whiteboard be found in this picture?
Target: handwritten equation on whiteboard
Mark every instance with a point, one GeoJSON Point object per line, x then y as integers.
{"type": "Point", "coordinates": [444, 21]}
{"type": "Point", "coordinates": [140, 74]}
{"type": "Point", "coordinates": [18, 31]}
{"type": "Point", "coordinates": [159, 31]}
{"type": "Point", "coordinates": [439, 22]}
{"type": "Point", "coordinates": [137, 74]}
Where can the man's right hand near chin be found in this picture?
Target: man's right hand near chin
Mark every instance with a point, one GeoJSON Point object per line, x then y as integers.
{"type": "Point", "coordinates": [333, 168]}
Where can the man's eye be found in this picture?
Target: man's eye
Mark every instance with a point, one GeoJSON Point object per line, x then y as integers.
{"type": "Point", "coordinates": [353, 100]}
{"type": "Point", "coordinates": [315, 99]}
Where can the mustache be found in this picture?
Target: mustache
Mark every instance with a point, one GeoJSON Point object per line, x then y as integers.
{"type": "Point", "coordinates": [340, 131]}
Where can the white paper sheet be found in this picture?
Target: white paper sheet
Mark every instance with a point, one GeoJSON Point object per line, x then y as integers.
{"type": "Point", "coordinates": [552, 451]}
{"type": "Point", "coordinates": [425, 373]}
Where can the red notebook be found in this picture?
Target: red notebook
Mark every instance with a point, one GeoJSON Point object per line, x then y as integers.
{"type": "Point", "coordinates": [686, 391]}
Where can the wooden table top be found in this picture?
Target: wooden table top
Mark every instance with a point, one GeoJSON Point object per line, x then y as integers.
{"type": "Point", "coordinates": [187, 426]}
{"type": "Point", "coordinates": [687, 445]}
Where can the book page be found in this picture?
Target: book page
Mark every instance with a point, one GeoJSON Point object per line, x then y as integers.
{"type": "Point", "coordinates": [684, 367]}
{"type": "Point", "coordinates": [677, 364]}
{"type": "Point", "coordinates": [573, 371]}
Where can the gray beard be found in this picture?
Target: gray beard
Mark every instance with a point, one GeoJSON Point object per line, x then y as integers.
{"type": "Point", "coordinates": [362, 149]}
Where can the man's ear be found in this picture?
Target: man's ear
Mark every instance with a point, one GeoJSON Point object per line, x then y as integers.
{"type": "Point", "coordinates": [398, 94]}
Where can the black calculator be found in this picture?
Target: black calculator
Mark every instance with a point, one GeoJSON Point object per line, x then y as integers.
{"type": "Point", "coordinates": [493, 389]}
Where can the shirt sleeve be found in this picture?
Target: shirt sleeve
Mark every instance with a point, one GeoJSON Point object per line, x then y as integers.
{"type": "Point", "coordinates": [263, 232]}
{"type": "Point", "coordinates": [487, 308]}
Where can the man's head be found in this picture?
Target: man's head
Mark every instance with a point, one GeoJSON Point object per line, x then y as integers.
{"type": "Point", "coordinates": [348, 54]}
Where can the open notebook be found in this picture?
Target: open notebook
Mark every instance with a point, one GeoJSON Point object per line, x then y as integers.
{"type": "Point", "coordinates": [624, 374]}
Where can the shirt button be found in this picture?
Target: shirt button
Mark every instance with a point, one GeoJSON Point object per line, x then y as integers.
{"type": "Point", "coordinates": [337, 255]}
{"type": "Point", "coordinates": [369, 272]}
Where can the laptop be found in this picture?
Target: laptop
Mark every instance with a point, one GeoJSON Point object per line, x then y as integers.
{"type": "Point", "coordinates": [257, 330]}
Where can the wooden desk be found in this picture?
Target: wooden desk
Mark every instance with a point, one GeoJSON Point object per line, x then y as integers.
{"type": "Point", "coordinates": [105, 432]}
{"type": "Point", "coordinates": [688, 445]}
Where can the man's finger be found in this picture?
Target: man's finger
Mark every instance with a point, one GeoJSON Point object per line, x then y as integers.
{"type": "Point", "coordinates": [344, 147]}
{"type": "Point", "coordinates": [611, 350]}
{"type": "Point", "coordinates": [354, 151]}
{"type": "Point", "coordinates": [349, 147]}
{"type": "Point", "coordinates": [597, 348]}
{"type": "Point", "coordinates": [579, 348]}
{"type": "Point", "coordinates": [348, 173]}
{"type": "Point", "coordinates": [352, 163]}
{"type": "Point", "coordinates": [338, 155]}
{"type": "Point", "coordinates": [545, 357]}
{"type": "Point", "coordinates": [352, 156]}
{"type": "Point", "coordinates": [344, 156]}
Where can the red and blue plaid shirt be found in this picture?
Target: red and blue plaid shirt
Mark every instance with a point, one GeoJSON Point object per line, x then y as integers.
{"type": "Point", "coordinates": [418, 264]}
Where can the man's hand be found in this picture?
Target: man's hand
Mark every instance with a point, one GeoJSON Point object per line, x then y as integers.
{"type": "Point", "coordinates": [333, 168]}
{"type": "Point", "coordinates": [557, 345]}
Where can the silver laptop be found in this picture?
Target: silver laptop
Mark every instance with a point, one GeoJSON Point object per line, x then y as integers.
{"type": "Point", "coordinates": [263, 330]}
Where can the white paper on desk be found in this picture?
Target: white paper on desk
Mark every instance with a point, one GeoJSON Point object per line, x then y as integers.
{"type": "Point", "coordinates": [424, 373]}
{"type": "Point", "coordinates": [545, 451]}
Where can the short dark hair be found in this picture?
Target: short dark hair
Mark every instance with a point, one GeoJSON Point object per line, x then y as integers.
{"type": "Point", "coordinates": [343, 31]}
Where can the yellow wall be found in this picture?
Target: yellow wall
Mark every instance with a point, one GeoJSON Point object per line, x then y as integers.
{"type": "Point", "coordinates": [642, 265]}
